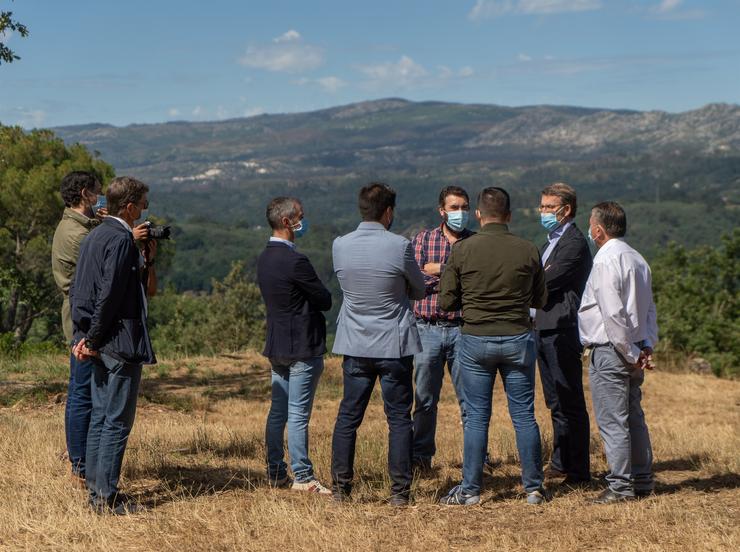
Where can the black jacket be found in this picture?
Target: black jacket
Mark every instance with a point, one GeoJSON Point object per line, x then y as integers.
{"type": "Point", "coordinates": [107, 298]}
{"type": "Point", "coordinates": [566, 271]}
{"type": "Point", "coordinates": [294, 297]}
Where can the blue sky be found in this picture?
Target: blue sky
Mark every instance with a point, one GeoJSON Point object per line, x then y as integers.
{"type": "Point", "coordinates": [159, 60]}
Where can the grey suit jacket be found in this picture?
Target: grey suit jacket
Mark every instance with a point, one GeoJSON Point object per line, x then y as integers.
{"type": "Point", "coordinates": [378, 275]}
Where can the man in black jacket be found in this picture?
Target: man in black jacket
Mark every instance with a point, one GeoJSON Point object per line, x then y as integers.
{"type": "Point", "coordinates": [567, 262]}
{"type": "Point", "coordinates": [295, 343]}
{"type": "Point", "coordinates": [109, 324]}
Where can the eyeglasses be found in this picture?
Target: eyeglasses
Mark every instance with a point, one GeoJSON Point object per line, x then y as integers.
{"type": "Point", "coordinates": [550, 207]}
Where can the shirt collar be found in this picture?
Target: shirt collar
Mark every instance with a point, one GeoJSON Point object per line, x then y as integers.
{"type": "Point", "coordinates": [371, 225]}
{"type": "Point", "coordinates": [559, 231]}
{"type": "Point", "coordinates": [79, 217]}
{"type": "Point", "coordinates": [441, 229]}
{"type": "Point", "coordinates": [281, 240]}
{"type": "Point", "coordinates": [121, 221]}
{"type": "Point", "coordinates": [495, 228]}
{"type": "Point", "coordinates": [604, 249]}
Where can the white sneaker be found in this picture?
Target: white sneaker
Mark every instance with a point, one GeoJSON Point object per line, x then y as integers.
{"type": "Point", "coordinates": [312, 486]}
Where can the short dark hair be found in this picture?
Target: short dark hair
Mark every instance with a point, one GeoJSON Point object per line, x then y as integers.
{"type": "Point", "coordinates": [73, 184]}
{"type": "Point", "coordinates": [565, 193]}
{"type": "Point", "coordinates": [612, 217]}
{"type": "Point", "coordinates": [281, 207]}
{"type": "Point", "coordinates": [374, 199]}
{"type": "Point", "coordinates": [122, 191]}
{"type": "Point", "coordinates": [452, 190]}
{"type": "Point", "coordinates": [494, 202]}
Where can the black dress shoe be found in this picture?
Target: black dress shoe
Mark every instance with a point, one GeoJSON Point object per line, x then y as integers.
{"type": "Point", "coordinates": [575, 482]}
{"type": "Point", "coordinates": [644, 493]}
{"type": "Point", "coordinates": [610, 497]}
{"type": "Point", "coordinates": [399, 501]}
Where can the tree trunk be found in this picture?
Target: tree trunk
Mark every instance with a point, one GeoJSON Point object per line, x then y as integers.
{"type": "Point", "coordinates": [8, 321]}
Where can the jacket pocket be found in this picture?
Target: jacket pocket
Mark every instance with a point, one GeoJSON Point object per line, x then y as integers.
{"type": "Point", "coordinates": [129, 339]}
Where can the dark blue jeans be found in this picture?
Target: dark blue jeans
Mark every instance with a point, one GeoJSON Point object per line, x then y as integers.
{"type": "Point", "coordinates": [77, 412]}
{"type": "Point", "coordinates": [480, 359]}
{"type": "Point", "coordinates": [114, 388]}
{"type": "Point", "coordinates": [561, 372]}
{"type": "Point", "coordinates": [360, 374]}
{"type": "Point", "coordinates": [439, 345]}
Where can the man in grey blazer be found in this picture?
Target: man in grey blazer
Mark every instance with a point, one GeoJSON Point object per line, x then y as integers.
{"type": "Point", "coordinates": [376, 333]}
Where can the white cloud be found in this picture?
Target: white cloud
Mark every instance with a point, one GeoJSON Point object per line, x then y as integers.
{"type": "Point", "coordinates": [406, 73]}
{"type": "Point", "coordinates": [286, 53]}
{"type": "Point", "coordinates": [252, 111]}
{"type": "Point", "coordinates": [173, 112]}
{"type": "Point", "coordinates": [331, 84]}
{"type": "Point", "coordinates": [26, 117]}
{"type": "Point", "coordinates": [222, 112]}
{"type": "Point", "coordinates": [197, 111]}
{"type": "Point", "coordinates": [488, 9]}
{"type": "Point", "coordinates": [287, 37]}
{"type": "Point", "coordinates": [524, 57]}
{"type": "Point", "coordinates": [403, 73]}
{"type": "Point", "coordinates": [668, 5]}
{"type": "Point", "coordinates": [671, 9]}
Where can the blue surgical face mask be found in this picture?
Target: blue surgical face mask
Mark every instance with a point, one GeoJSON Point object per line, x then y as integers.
{"type": "Point", "coordinates": [549, 221]}
{"type": "Point", "coordinates": [590, 237]}
{"type": "Point", "coordinates": [457, 221]}
{"type": "Point", "coordinates": [301, 228]}
{"type": "Point", "coordinates": [144, 214]}
{"type": "Point", "coordinates": [101, 203]}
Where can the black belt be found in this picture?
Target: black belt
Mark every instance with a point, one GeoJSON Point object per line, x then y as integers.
{"type": "Point", "coordinates": [442, 322]}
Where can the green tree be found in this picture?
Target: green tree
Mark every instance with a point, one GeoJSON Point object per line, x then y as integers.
{"type": "Point", "coordinates": [230, 318]}
{"type": "Point", "coordinates": [7, 23]}
{"type": "Point", "coordinates": [31, 166]}
{"type": "Point", "coordinates": [698, 301]}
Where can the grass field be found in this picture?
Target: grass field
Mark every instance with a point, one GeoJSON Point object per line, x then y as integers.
{"type": "Point", "coordinates": [195, 461]}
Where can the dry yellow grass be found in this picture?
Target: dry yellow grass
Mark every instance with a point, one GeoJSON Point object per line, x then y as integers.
{"type": "Point", "coordinates": [195, 459]}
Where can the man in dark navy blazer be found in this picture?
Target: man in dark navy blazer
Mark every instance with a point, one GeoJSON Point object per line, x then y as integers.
{"type": "Point", "coordinates": [295, 343]}
{"type": "Point", "coordinates": [109, 312]}
{"type": "Point", "coordinates": [567, 262]}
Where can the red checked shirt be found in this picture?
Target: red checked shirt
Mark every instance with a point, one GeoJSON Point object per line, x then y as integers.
{"type": "Point", "coordinates": [432, 246]}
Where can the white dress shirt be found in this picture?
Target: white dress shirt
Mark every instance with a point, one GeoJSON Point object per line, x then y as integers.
{"type": "Point", "coordinates": [617, 305]}
{"type": "Point", "coordinates": [553, 238]}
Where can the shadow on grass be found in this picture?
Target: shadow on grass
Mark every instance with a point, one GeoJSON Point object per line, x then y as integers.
{"type": "Point", "coordinates": [712, 484]}
{"type": "Point", "coordinates": [692, 462]}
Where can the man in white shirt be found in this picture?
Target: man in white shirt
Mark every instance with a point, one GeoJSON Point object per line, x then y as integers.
{"type": "Point", "coordinates": [617, 319]}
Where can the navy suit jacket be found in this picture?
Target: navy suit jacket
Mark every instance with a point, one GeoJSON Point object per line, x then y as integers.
{"type": "Point", "coordinates": [106, 297]}
{"type": "Point", "coordinates": [294, 297]}
{"type": "Point", "coordinates": [566, 272]}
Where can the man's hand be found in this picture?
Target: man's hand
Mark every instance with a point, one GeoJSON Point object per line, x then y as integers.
{"type": "Point", "coordinates": [81, 351]}
{"type": "Point", "coordinates": [150, 251]}
{"type": "Point", "coordinates": [101, 213]}
{"type": "Point", "coordinates": [141, 232]}
{"type": "Point", "coordinates": [432, 269]}
{"type": "Point", "coordinates": [645, 360]}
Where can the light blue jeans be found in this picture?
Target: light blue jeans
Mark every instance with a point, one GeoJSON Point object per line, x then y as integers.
{"type": "Point", "coordinates": [480, 358]}
{"type": "Point", "coordinates": [293, 387]}
{"type": "Point", "coordinates": [439, 344]}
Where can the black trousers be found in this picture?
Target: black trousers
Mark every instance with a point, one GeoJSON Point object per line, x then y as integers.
{"type": "Point", "coordinates": [395, 377]}
{"type": "Point", "coordinates": [559, 358]}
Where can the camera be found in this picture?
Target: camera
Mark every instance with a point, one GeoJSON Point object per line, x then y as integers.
{"type": "Point", "coordinates": [157, 232]}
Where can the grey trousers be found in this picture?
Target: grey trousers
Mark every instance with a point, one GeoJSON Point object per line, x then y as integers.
{"type": "Point", "coordinates": [615, 389]}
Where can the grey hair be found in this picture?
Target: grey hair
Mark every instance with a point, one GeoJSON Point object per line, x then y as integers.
{"type": "Point", "coordinates": [280, 208]}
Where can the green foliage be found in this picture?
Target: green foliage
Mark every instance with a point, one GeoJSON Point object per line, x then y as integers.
{"type": "Point", "coordinates": [230, 318]}
{"type": "Point", "coordinates": [31, 166]}
{"type": "Point", "coordinates": [8, 24]}
{"type": "Point", "coordinates": [698, 301]}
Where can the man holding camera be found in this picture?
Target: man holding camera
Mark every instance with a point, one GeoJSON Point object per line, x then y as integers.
{"type": "Point", "coordinates": [109, 313]}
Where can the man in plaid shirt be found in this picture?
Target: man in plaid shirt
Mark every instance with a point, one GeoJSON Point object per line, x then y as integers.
{"type": "Point", "coordinates": [439, 330]}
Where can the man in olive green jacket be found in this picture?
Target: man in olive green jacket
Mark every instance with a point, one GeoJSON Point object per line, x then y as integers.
{"type": "Point", "coordinates": [80, 191]}
{"type": "Point", "coordinates": [495, 277]}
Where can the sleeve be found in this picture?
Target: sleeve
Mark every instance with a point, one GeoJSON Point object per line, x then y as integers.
{"type": "Point", "coordinates": [607, 293]}
{"type": "Point", "coordinates": [309, 283]}
{"type": "Point", "coordinates": [570, 257]}
{"type": "Point", "coordinates": [539, 288]}
{"type": "Point", "coordinates": [450, 288]}
{"type": "Point", "coordinates": [412, 273]}
{"type": "Point", "coordinates": [420, 244]}
{"type": "Point", "coordinates": [110, 295]}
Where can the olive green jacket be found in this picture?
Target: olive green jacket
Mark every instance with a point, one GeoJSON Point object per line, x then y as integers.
{"type": "Point", "coordinates": [65, 250]}
{"type": "Point", "coordinates": [495, 277]}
